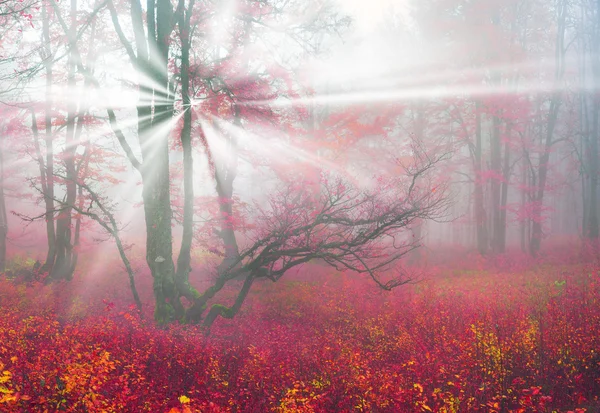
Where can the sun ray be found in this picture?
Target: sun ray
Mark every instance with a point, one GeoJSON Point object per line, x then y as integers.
{"type": "Point", "coordinates": [416, 94]}
{"type": "Point", "coordinates": [415, 74]}
{"type": "Point", "coordinates": [156, 134]}
{"type": "Point", "coordinates": [275, 148]}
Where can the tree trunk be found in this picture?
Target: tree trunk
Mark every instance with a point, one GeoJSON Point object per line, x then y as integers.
{"type": "Point", "coordinates": [480, 215]}
{"type": "Point", "coordinates": [184, 258]}
{"type": "Point", "coordinates": [555, 103]}
{"type": "Point", "coordinates": [592, 228]}
{"type": "Point", "coordinates": [63, 266]}
{"type": "Point", "coordinates": [415, 257]}
{"type": "Point", "coordinates": [584, 120]}
{"type": "Point", "coordinates": [504, 195]}
{"type": "Point", "coordinates": [524, 222]}
{"type": "Point", "coordinates": [496, 160]}
{"type": "Point", "coordinates": [3, 217]}
{"type": "Point", "coordinates": [49, 162]}
{"type": "Point", "coordinates": [536, 230]}
{"type": "Point", "coordinates": [154, 115]}
{"type": "Point", "coordinates": [225, 175]}
{"type": "Point", "coordinates": [496, 157]}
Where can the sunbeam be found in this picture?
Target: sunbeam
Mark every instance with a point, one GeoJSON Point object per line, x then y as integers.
{"type": "Point", "coordinates": [274, 147]}
{"type": "Point", "coordinates": [440, 91]}
{"type": "Point", "coordinates": [193, 191]}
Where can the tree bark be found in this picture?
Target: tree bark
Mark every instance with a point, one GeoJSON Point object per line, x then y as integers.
{"type": "Point", "coordinates": [496, 160]}
{"type": "Point", "coordinates": [555, 103]}
{"type": "Point", "coordinates": [523, 222]}
{"type": "Point", "coordinates": [504, 194]}
{"type": "Point", "coordinates": [225, 174]}
{"type": "Point", "coordinates": [154, 114]}
{"type": "Point", "coordinates": [3, 217]}
{"type": "Point", "coordinates": [184, 258]}
{"type": "Point", "coordinates": [49, 162]}
{"type": "Point", "coordinates": [592, 227]}
{"type": "Point", "coordinates": [220, 310]}
{"type": "Point", "coordinates": [496, 157]}
{"type": "Point", "coordinates": [63, 266]}
{"type": "Point", "coordinates": [480, 215]}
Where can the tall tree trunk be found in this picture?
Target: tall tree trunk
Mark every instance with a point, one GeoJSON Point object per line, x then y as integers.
{"type": "Point", "coordinates": [555, 103]}
{"type": "Point", "coordinates": [584, 120]}
{"type": "Point", "coordinates": [504, 193]}
{"type": "Point", "coordinates": [3, 217]}
{"type": "Point", "coordinates": [415, 257]}
{"type": "Point", "coordinates": [63, 265]}
{"type": "Point", "coordinates": [225, 174]}
{"type": "Point", "coordinates": [496, 155]}
{"type": "Point", "coordinates": [592, 229]}
{"type": "Point", "coordinates": [417, 227]}
{"type": "Point", "coordinates": [82, 169]}
{"type": "Point", "coordinates": [480, 215]}
{"type": "Point", "coordinates": [496, 159]}
{"type": "Point", "coordinates": [523, 221]}
{"type": "Point", "coordinates": [49, 162]}
{"type": "Point", "coordinates": [154, 116]}
{"type": "Point", "coordinates": [155, 112]}
{"type": "Point", "coordinates": [184, 258]}
{"type": "Point", "coordinates": [81, 173]}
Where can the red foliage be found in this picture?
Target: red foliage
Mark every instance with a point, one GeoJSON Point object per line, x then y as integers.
{"type": "Point", "coordinates": [477, 341]}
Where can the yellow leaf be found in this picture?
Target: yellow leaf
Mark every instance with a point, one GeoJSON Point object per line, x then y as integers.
{"type": "Point", "coordinates": [184, 399]}
{"type": "Point", "coordinates": [5, 390]}
{"type": "Point", "coordinates": [5, 377]}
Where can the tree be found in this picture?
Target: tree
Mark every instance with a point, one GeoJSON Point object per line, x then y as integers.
{"type": "Point", "coordinates": [3, 217]}
{"type": "Point", "coordinates": [550, 125]}
{"type": "Point", "coordinates": [212, 80]}
{"type": "Point", "coordinates": [154, 116]}
{"type": "Point", "coordinates": [588, 40]}
{"type": "Point", "coordinates": [366, 231]}
{"type": "Point", "coordinates": [55, 156]}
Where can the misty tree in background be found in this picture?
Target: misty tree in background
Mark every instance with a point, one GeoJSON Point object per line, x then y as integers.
{"type": "Point", "coordinates": [13, 16]}
{"type": "Point", "coordinates": [3, 215]}
{"type": "Point", "coordinates": [586, 14]}
{"type": "Point", "coordinates": [509, 108]}
{"type": "Point", "coordinates": [61, 138]}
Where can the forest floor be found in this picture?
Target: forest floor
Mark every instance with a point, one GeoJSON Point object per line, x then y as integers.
{"type": "Point", "coordinates": [488, 338]}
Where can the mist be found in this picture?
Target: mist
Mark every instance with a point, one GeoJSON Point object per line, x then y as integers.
{"type": "Point", "coordinates": [299, 206]}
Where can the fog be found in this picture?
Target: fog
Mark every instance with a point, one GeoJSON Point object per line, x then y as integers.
{"type": "Point", "coordinates": [299, 206]}
{"type": "Point", "coordinates": [304, 91]}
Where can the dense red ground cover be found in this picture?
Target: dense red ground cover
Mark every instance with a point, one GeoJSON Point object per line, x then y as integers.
{"type": "Point", "coordinates": [484, 340]}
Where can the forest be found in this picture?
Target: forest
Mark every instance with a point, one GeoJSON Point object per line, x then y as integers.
{"type": "Point", "coordinates": [299, 206]}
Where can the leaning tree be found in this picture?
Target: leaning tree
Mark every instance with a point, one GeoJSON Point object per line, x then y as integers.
{"type": "Point", "coordinates": [349, 226]}
{"type": "Point", "coordinates": [363, 229]}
